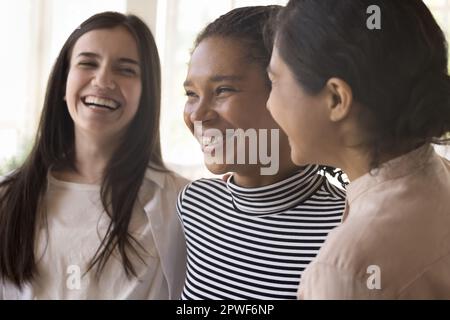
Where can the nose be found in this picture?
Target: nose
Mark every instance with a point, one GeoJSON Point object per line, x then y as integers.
{"type": "Point", "coordinates": [104, 79]}
{"type": "Point", "coordinates": [200, 111]}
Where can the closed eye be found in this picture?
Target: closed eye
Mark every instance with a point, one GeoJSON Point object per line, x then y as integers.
{"type": "Point", "coordinates": [88, 64]}
{"type": "Point", "coordinates": [128, 71]}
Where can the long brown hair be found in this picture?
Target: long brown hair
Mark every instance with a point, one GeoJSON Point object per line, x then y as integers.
{"type": "Point", "coordinates": [23, 191]}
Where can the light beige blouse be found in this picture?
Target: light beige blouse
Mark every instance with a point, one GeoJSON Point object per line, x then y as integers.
{"type": "Point", "coordinates": [76, 224]}
{"type": "Point", "coordinates": [394, 242]}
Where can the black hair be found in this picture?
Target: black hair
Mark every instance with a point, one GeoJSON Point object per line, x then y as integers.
{"type": "Point", "coordinates": [250, 26]}
{"type": "Point", "coordinates": [397, 73]}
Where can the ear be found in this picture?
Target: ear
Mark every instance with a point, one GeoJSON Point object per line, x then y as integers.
{"type": "Point", "coordinates": [341, 99]}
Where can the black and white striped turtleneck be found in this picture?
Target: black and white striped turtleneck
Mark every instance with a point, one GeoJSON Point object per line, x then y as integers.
{"type": "Point", "coordinates": [254, 243]}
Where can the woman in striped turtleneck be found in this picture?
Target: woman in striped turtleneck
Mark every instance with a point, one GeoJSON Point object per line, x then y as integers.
{"type": "Point", "coordinates": [249, 237]}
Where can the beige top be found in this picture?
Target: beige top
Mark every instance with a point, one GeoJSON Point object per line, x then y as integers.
{"type": "Point", "coordinates": [77, 223]}
{"type": "Point", "coordinates": [394, 242]}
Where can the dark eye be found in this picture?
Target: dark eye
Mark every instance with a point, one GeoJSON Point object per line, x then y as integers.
{"type": "Point", "coordinates": [223, 90]}
{"type": "Point", "coordinates": [191, 94]}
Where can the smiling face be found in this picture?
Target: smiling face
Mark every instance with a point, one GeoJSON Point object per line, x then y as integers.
{"type": "Point", "coordinates": [104, 84]}
{"type": "Point", "coordinates": [225, 90]}
{"type": "Point", "coordinates": [304, 117]}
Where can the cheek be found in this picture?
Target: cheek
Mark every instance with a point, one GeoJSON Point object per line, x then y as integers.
{"type": "Point", "coordinates": [235, 117]}
{"type": "Point", "coordinates": [307, 126]}
{"type": "Point", "coordinates": [238, 112]}
{"type": "Point", "coordinates": [72, 86]}
{"type": "Point", "coordinates": [277, 108]}
{"type": "Point", "coordinates": [290, 114]}
{"type": "Point", "coordinates": [132, 93]}
{"type": "Point", "coordinates": [188, 110]}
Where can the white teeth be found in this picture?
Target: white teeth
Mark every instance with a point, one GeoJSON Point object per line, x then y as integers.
{"type": "Point", "coordinates": [216, 140]}
{"type": "Point", "coordinates": [206, 141]}
{"type": "Point", "coordinates": [102, 102]}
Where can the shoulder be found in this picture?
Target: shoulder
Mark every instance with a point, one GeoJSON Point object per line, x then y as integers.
{"type": "Point", "coordinates": [331, 189]}
{"type": "Point", "coordinates": [165, 179]}
{"type": "Point", "coordinates": [347, 264]}
{"type": "Point", "coordinates": [351, 254]}
{"type": "Point", "coordinates": [204, 186]}
{"type": "Point", "coordinates": [158, 194]}
{"type": "Point", "coordinates": [327, 196]}
{"type": "Point", "coordinates": [201, 188]}
{"type": "Point", "coordinates": [159, 189]}
{"type": "Point", "coordinates": [327, 281]}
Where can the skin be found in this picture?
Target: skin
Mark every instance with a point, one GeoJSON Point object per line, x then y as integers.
{"type": "Point", "coordinates": [323, 127]}
{"type": "Point", "coordinates": [225, 90]}
{"type": "Point", "coordinates": [104, 63]}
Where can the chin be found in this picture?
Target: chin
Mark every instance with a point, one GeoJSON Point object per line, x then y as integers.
{"type": "Point", "coordinates": [217, 168]}
{"type": "Point", "coordinates": [298, 160]}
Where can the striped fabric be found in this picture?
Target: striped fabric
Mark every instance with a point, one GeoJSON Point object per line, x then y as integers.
{"type": "Point", "coordinates": [255, 243]}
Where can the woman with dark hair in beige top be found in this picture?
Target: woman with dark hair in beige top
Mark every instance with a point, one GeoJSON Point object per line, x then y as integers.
{"type": "Point", "coordinates": [370, 101]}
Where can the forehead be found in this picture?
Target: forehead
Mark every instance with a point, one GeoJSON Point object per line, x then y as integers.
{"type": "Point", "coordinates": [114, 42]}
{"type": "Point", "coordinates": [216, 55]}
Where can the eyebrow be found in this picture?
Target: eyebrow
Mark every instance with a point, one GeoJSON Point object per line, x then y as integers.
{"type": "Point", "coordinates": [219, 78]}
{"type": "Point", "coordinates": [95, 55]}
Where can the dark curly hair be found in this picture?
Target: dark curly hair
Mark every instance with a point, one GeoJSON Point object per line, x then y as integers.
{"type": "Point", "coordinates": [248, 25]}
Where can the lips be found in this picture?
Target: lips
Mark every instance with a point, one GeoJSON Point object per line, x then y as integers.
{"type": "Point", "coordinates": [208, 141]}
{"type": "Point", "coordinates": [96, 102]}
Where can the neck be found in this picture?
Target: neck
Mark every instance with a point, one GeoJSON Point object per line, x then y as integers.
{"type": "Point", "coordinates": [252, 177]}
{"type": "Point", "coordinates": [92, 155]}
{"type": "Point", "coordinates": [249, 176]}
{"type": "Point", "coordinates": [356, 162]}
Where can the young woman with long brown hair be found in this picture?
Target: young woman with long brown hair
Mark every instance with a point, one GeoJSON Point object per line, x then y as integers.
{"type": "Point", "coordinates": [91, 212]}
